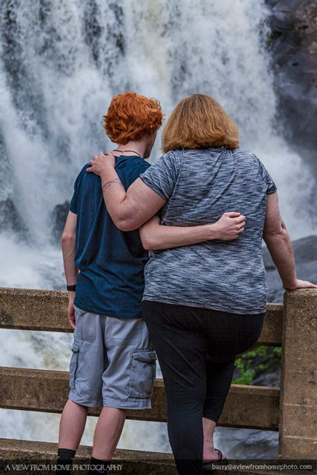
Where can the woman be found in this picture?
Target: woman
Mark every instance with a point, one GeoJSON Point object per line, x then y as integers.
{"type": "Point", "coordinates": [204, 304]}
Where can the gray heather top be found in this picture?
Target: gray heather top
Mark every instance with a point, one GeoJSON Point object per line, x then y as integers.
{"type": "Point", "coordinates": [199, 186]}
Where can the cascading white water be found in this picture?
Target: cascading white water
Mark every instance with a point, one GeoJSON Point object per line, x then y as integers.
{"type": "Point", "coordinates": [61, 62]}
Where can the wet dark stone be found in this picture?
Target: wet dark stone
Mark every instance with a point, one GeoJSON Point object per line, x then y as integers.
{"type": "Point", "coordinates": [6, 319]}
{"type": "Point", "coordinates": [11, 220]}
{"type": "Point", "coordinates": [293, 46]}
{"type": "Point", "coordinates": [25, 88]}
{"type": "Point", "coordinates": [305, 251]}
{"type": "Point", "coordinates": [58, 220]}
{"type": "Point", "coordinates": [93, 29]}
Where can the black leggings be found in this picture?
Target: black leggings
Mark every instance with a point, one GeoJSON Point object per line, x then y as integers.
{"type": "Point", "coordinates": [196, 349]}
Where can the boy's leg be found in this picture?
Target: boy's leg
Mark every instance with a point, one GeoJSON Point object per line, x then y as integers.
{"type": "Point", "coordinates": [71, 429]}
{"type": "Point", "coordinates": [86, 369]}
{"type": "Point", "coordinates": [107, 433]}
{"type": "Point", "coordinates": [127, 381]}
{"type": "Point", "coordinates": [72, 425]}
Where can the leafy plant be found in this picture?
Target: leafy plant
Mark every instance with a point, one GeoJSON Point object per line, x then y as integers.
{"type": "Point", "coordinates": [254, 362]}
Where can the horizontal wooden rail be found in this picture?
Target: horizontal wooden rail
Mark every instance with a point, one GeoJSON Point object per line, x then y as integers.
{"type": "Point", "coordinates": [46, 310]}
{"type": "Point", "coordinates": [127, 462]}
{"type": "Point", "coordinates": [252, 407]}
{"type": "Point", "coordinates": [130, 462]}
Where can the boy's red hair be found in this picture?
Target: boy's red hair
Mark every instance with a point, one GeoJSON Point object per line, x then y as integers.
{"type": "Point", "coordinates": [131, 116]}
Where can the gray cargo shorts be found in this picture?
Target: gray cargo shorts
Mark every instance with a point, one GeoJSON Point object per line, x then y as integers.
{"type": "Point", "coordinates": [113, 362]}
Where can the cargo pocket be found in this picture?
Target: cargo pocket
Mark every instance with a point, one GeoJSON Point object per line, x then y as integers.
{"type": "Point", "coordinates": [73, 366]}
{"type": "Point", "coordinates": [143, 373]}
{"type": "Point", "coordinates": [86, 323]}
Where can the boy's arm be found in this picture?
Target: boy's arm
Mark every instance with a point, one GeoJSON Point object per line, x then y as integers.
{"type": "Point", "coordinates": [71, 271]}
{"type": "Point", "coordinates": [155, 236]}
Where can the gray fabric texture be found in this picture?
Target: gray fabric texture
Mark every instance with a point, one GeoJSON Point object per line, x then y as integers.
{"type": "Point", "coordinates": [199, 186]}
{"type": "Point", "coordinates": [113, 362]}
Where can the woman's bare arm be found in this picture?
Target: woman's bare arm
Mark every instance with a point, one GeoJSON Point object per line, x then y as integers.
{"type": "Point", "coordinates": [128, 210]}
{"type": "Point", "coordinates": [280, 247]}
{"type": "Point", "coordinates": [155, 236]}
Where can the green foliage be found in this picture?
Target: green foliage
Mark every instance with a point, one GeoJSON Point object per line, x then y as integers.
{"type": "Point", "coordinates": [277, 350]}
{"type": "Point", "coordinates": [255, 362]}
{"type": "Point", "coordinates": [247, 373]}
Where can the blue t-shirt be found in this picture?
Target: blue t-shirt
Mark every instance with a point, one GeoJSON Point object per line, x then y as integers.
{"type": "Point", "coordinates": [111, 262]}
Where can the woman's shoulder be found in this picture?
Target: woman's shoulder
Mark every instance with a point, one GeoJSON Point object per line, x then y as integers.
{"type": "Point", "coordinates": [171, 159]}
{"type": "Point", "coordinates": [171, 154]}
{"type": "Point", "coordinates": [243, 153]}
{"type": "Point", "coordinates": [246, 158]}
{"type": "Point", "coordinates": [179, 155]}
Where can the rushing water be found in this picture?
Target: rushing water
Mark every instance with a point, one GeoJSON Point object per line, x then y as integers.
{"type": "Point", "coordinates": [60, 64]}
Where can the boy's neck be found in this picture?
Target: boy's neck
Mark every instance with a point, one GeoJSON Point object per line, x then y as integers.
{"type": "Point", "coordinates": [134, 147]}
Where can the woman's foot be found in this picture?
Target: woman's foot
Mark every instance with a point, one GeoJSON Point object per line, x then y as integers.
{"type": "Point", "coordinates": [212, 455]}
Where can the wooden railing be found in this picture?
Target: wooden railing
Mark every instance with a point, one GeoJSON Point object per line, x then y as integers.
{"type": "Point", "coordinates": [291, 409]}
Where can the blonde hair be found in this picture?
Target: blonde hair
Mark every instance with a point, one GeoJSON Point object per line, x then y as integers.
{"type": "Point", "coordinates": [198, 121]}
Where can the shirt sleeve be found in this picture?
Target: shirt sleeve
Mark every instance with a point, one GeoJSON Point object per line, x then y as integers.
{"type": "Point", "coordinates": [162, 176]}
{"type": "Point", "coordinates": [268, 180]}
{"type": "Point", "coordinates": [138, 170]}
{"type": "Point", "coordinates": [73, 202]}
{"type": "Point", "coordinates": [73, 206]}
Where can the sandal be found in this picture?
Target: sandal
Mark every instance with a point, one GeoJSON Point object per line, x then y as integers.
{"type": "Point", "coordinates": [220, 460]}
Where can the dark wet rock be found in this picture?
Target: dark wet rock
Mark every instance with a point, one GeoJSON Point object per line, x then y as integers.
{"type": "Point", "coordinates": [293, 45]}
{"type": "Point", "coordinates": [247, 443]}
{"type": "Point", "coordinates": [58, 221]}
{"type": "Point", "coordinates": [270, 376]}
{"type": "Point", "coordinates": [305, 251]}
{"type": "Point", "coordinates": [11, 220]}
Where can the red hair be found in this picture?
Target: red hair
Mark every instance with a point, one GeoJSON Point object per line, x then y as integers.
{"type": "Point", "coordinates": [131, 116]}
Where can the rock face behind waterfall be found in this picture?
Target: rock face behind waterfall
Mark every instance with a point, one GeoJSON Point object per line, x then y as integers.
{"type": "Point", "coordinates": [293, 45]}
{"type": "Point", "coordinates": [58, 220]}
{"type": "Point", "coordinates": [11, 221]}
{"type": "Point", "coordinates": [305, 251]}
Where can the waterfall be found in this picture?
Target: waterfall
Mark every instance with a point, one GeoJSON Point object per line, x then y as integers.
{"type": "Point", "coordinates": [60, 64]}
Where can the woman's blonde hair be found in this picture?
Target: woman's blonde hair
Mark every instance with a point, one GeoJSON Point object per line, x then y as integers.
{"type": "Point", "coordinates": [198, 121]}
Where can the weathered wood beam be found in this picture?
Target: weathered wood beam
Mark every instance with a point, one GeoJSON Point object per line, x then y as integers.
{"type": "Point", "coordinates": [298, 396]}
{"type": "Point", "coordinates": [253, 407]}
{"type": "Point", "coordinates": [126, 462]}
{"type": "Point", "coordinates": [46, 310]}
{"type": "Point", "coordinates": [33, 455]}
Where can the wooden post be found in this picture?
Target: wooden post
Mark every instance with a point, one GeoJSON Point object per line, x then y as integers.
{"type": "Point", "coordinates": [298, 396]}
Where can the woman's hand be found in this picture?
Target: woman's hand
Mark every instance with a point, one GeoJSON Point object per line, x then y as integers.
{"type": "Point", "coordinates": [101, 163]}
{"type": "Point", "coordinates": [230, 226]}
{"type": "Point", "coordinates": [301, 284]}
